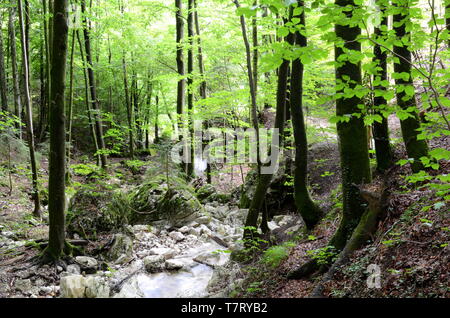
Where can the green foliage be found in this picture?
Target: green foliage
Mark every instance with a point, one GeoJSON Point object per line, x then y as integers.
{"type": "Point", "coordinates": [324, 255]}
{"type": "Point", "coordinates": [274, 255]}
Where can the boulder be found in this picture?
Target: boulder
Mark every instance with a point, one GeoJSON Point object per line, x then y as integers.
{"type": "Point", "coordinates": [177, 236]}
{"type": "Point", "coordinates": [72, 286]}
{"type": "Point", "coordinates": [73, 269]}
{"type": "Point", "coordinates": [96, 287]}
{"type": "Point", "coordinates": [165, 252]}
{"type": "Point", "coordinates": [87, 264]}
{"type": "Point", "coordinates": [121, 250]}
{"type": "Point", "coordinates": [154, 263]}
{"type": "Point", "coordinates": [174, 264]}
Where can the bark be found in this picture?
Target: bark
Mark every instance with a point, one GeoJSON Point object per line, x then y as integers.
{"type": "Point", "coordinates": [251, 83]}
{"type": "Point", "coordinates": [29, 114]}
{"type": "Point", "coordinates": [265, 179]}
{"type": "Point", "coordinates": [190, 81]}
{"type": "Point", "coordinates": [93, 89]}
{"type": "Point", "coordinates": [3, 84]}
{"type": "Point", "coordinates": [45, 102]}
{"type": "Point", "coordinates": [181, 86]}
{"type": "Point", "coordinates": [202, 88]}
{"type": "Point", "coordinates": [415, 148]}
{"type": "Point", "coordinates": [86, 98]}
{"type": "Point", "coordinates": [15, 73]}
{"type": "Point", "coordinates": [70, 102]}
{"type": "Point", "coordinates": [353, 149]}
{"type": "Point", "coordinates": [381, 130]}
{"type": "Point", "coordinates": [129, 108]}
{"type": "Point", "coordinates": [56, 187]}
{"type": "Point", "coordinates": [309, 211]}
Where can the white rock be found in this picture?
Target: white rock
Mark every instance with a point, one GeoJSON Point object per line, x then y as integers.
{"type": "Point", "coordinates": [203, 219]}
{"type": "Point", "coordinates": [96, 287]}
{"type": "Point", "coordinates": [184, 230]}
{"type": "Point", "coordinates": [86, 262]}
{"type": "Point", "coordinates": [72, 286]}
{"type": "Point", "coordinates": [177, 236]}
{"type": "Point", "coordinates": [165, 252]}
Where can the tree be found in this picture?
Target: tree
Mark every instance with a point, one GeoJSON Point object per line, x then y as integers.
{"type": "Point", "coordinates": [309, 211]}
{"type": "Point", "coordinates": [29, 115]}
{"type": "Point", "coordinates": [15, 72]}
{"type": "Point", "coordinates": [3, 85]}
{"type": "Point", "coordinates": [380, 128]}
{"type": "Point", "coordinates": [93, 88]}
{"type": "Point", "coordinates": [406, 99]}
{"type": "Point", "coordinates": [57, 156]}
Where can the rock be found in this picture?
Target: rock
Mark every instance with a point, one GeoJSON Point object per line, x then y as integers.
{"type": "Point", "coordinates": [154, 263]}
{"type": "Point", "coordinates": [194, 231]}
{"type": "Point", "coordinates": [272, 225]}
{"type": "Point", "coordinates": [96, 287]}
{"type": "Point", "coordinates": [184, 230]}
{"type": "Point", "coordinates": [130, 289]}
{"type": "Point", "coordinates": [177, 236]}
{"type": "Point", "coordinates": [72, 286]}
{"type": "Point", "coordinates": [166, 253]}
{"type": "Point", "coordinates": [140, 228]}
{"type": "Point", "coordinates": [73, 269]}
{"type": "Point", "coordinates": [174, 264]}
{"type": "Point", "coordinates": [45, 290]}
{"type": "Point", "coordinates": [87, 264]}
{"type": "Point", "coordinates": [205, 230]}
{"type": "Point", "coordinates": [210, 259]}
{"type": "Point", "coordinates": [23, 285]}
{"type": "Point", "coordinates": [122, 249]}
{"type": "Point", "coordinates": [203, 219]}
{"type": "Point", "coordinates": [9, 234]}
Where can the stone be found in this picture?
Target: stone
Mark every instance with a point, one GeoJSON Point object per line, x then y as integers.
{"type": "Point", "coordinates": [184, 230]}
{"type": "Point", "coordinates": [174, 264]}
{"type": "Point", "coordinates": [203, 219]}
{"type": "Point", "coordinates": [165, 252]}
{"type": "Point", "coordinates": [73, 269]}
{"type": "Point", "coordinates": [140, 228]}
{"type": "Point", "coordinates": [154, 263]}
{"type": "Point", "coordinates": [121, 250]}
{"type": "Point", "coordinates": [72, 286]}
{"type": "Point", "coordinates": [272, 225]}
{"type": "Point", "coordinates": [177, 236]}
{"type": "Point", "coordinates": [45, 290]}
{"type": "Point", "coordinates": [87, 264]}
{"type": "Point", "coordinates": [96, 287]}
{"type": "Point", "coordinates": [23, 285]}
{"type": "Point", "coordinates": [205, 230]}
{"type": "Point", "coordinates": [194, 231]}
{"type": "Point", "coordinates": [130, 289]}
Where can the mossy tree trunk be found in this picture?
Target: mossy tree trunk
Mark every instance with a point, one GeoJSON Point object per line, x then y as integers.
{"type": "Point", "coordinates": [56, 187]}
{"type": "Point", "coordinates": [181, 86]}
{"type": "Point", "coordinates": [415, 148]}
{"type": "Point", "coordinates": [354, 154]}
{"type": "Point", "coordinates": [309, 211]}
{"type": "Point", "coordinates": [190, 88]}
{"type": "Point", "coordinates": [380, 129]}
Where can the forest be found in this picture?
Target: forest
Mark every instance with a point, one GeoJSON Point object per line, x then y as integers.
{"type": "Point", "coordinates": [224, 149]}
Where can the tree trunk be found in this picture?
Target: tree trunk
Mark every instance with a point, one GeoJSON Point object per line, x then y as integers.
{"type": "Point", "coordinates": [129, 108]}
{"type": "Point", "coordinates": [56, 186]}
{"type": "Point", "coordinates": [180, 63]}
{"type": "Point", "coordinates": [86, 98]}
{"type": "Point", "coordinates": [381, 130]}
{"type": "Point", "coordinates": [309, 211]}
{"type": "Point", "coordinates": [415, 148]}
{"type": "Point", "coordinates": [29, 115]}
{"type": "Point", "coordinates": [91, 77]}
{"type": "Point", "coordinates": [190, 81]}
{"type": "Point", "coordinates": [70, 102]}
{"type": "Point", "coordinates": [202, 88]}
{"type": "Point", "coordinates": [15, 73]}
{"type": "Point", "coordinates": [353, 149]}
{"type": "Point", "coordinates": [3, 84]}
{"type": "Point", "coordinates": [251, 83]}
